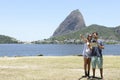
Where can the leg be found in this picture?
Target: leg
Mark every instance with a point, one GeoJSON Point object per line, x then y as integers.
{"type": "Point", "coordinates": [94, 64]}
{"type": "Point", "coordinates": [93, 72]}
{"type": "Point", "coordinates": [89, 60]}
{"type": "Point", "coordinates": [85, 66]}
{"type": "Point", "coordinates": [100, 65]}
{"type": "Point", "coordinates": [101, 72]}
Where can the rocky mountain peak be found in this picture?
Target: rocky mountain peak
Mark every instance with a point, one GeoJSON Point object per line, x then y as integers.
{"type": "Point", "coordinates": [73, 22]}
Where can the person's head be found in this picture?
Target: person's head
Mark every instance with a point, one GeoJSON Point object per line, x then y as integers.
{"type": "Point", "coordinates": [95, 35]}
{"type": "Point", "coordinates": [89, 37]}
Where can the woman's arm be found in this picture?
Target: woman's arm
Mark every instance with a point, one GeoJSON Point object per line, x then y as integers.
{"type": "Point", "coordinates": [83, 38]}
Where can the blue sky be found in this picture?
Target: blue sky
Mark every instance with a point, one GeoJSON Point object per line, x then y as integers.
{"type": "Point", "coordinates": [30, 20]}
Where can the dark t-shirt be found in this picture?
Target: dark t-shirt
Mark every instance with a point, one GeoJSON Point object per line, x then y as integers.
{"type": "Point", "coordinates": [96, 51]}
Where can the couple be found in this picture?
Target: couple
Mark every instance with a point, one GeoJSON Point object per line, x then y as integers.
{"type": "Point", "coordinates": [92, 53]}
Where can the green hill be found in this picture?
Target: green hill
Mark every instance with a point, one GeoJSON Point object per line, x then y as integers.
{"type": "Point", "coordinates": [105, 33]}
{"type": "Point", "coordinates": [6, 39]}
{"type": "Point", "coordinates": [117, 32]}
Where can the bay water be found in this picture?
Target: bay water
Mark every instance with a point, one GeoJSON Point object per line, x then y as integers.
{"type": "Point", "coordinates": [50, 49]}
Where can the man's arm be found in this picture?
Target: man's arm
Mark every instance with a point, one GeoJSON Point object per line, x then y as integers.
{"type": "Point", "coordinates": [100, 45]}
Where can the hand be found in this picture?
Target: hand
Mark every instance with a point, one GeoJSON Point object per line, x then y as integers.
{"type": "Point", "coordinates": [81, 35]}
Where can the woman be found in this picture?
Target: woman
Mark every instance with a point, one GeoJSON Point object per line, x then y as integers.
{"type": "Point", "coordinates": [87, 54]}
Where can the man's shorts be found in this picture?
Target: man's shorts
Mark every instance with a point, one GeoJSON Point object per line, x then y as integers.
{"type": "Point", "coordinates": [97, 61]}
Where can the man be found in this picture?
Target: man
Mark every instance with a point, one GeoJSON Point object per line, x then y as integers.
{"type": "Point", "coordinates": [97, 58]}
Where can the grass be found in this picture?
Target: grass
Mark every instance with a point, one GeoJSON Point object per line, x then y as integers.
{"type": "Point", "coordinates": [53, 68]}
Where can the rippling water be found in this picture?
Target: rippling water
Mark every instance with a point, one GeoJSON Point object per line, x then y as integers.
{"type": "Point", "coordinates": [50, 49]}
